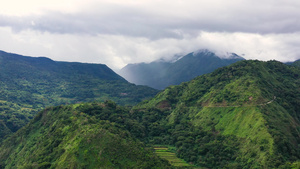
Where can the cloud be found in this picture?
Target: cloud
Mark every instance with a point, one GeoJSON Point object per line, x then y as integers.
{"type": "Point", "coordinates": [282, 47]}
{"type": "Point", "coordinates": [156, 19]}
{"type": "Point", "coordinates": [119, 32]}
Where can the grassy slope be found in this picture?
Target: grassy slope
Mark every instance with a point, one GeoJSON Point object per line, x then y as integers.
{"type": "Point", "coordinates": [234, 101]}
{"type": "Point", "coordinates": [77, 136]}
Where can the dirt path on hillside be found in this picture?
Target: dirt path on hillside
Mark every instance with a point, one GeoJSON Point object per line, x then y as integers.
{"type": "Point", "coordinates": [262, 104]}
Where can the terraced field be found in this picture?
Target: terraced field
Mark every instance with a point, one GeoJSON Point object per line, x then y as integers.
{"type": "Point", "coordinates": [165, 153]}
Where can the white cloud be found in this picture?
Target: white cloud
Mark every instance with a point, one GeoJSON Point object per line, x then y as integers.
{"type": "Point", "coordinates": [282, 47]}
{"type": "Point", "coordinates": [38, 7]}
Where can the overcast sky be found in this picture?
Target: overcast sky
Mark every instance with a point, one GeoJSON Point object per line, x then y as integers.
{"type": "Point", "coordinates": [118, 32]}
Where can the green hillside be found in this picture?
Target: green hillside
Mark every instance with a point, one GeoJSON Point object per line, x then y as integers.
{"type": "Point", "coordinates": [28, 85]}
{"type": "Point", "coordinates": [79, 136]}
{"type": "Point", "coordinates": [245, 115]}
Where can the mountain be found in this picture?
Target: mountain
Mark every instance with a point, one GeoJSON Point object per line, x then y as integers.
{"type": "Point", "coordinates": [160, 74]}
{"type": "Point", "coordinates": [79, 136]}
{"type": "Point", "coordinates": [29, 84]}
{"type": "Point", "coordinates": [246, 115]}
{"type": "Point", "coordinates": [150, 74]}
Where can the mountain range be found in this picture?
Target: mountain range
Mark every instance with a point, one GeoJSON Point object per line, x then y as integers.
{"type": "Point", "coordinates": [161, 74]}
{"type": "Point", "coordinates": [244, 115]}
{"type": "Point", "coordinates": [30, 84]}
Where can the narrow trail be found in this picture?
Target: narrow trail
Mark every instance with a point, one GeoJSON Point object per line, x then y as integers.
{"type": "Point", "coordinates": [262, 104]}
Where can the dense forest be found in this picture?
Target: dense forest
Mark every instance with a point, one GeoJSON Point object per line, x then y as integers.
{"type": "Point", "coordinates": [79, 136]}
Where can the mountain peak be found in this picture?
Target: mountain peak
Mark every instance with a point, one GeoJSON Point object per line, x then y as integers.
{"type": "Point", "coordinates": [221, 55]}
{"type": "Point", "coordinates": [160, 74]}
{"type": "Point", "coordinates": [203, 52]}
{"type": "Point", "coordinates": [228, 55]}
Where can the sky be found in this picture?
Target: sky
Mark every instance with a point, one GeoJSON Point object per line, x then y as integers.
{"type": "Point", "coordinates": [118, 32]}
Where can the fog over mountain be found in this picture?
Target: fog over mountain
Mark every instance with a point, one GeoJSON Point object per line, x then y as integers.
{"type": "Point", "coordinates": [162, 73]}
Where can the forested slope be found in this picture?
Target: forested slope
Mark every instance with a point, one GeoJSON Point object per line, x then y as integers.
{"type": "Point", "coordinates": [79, 136]}
{"type": "Point", "coordinates": [245, 115]}
{"type": "Point", "coordinates": [28, 85]}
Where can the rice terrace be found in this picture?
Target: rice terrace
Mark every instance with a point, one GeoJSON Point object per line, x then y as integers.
{"type": "Point", "coordinates": [166, 153]}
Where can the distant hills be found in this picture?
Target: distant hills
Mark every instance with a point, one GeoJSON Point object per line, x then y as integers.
{"type": "Point", "coordinates": [245, 115]}
{"type": "Point", "coordinates": [296, 63]}
{"type": "Point", "coordinates": [29, 84]}
{"type": "Point", "coordinates": [160, 74]}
